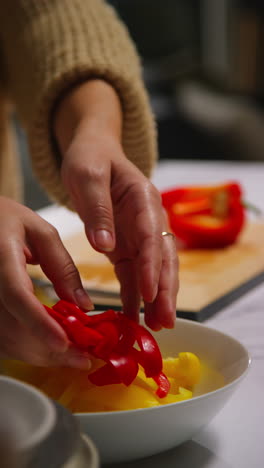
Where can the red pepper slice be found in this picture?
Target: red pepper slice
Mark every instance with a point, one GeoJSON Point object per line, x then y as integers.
{"type": "Point", "coordinates": [108, 315]}
{"type": "Point", "coordinates": [110, 333]}
{"type": "Point", "coordinates": [163, 385]}
{"type": "Point", "coordinates": [67, 308]}
{"type": "Point", "coordinates": [81, 336]}
{"type": "Point", "coordinates": [111, 336]}
{"type": "Point", "coordinates": [105, 375]}
{"type": "Point", "coordinates": [127, 331]}
{"type": "Point", "coordinates": [150, 355]}
{"type": "Point", "coordinates": [124, 370]}
{"type": "Point", "coordinates": [125, 366]}
{"type": "Point", "coordinates": [55, 315]}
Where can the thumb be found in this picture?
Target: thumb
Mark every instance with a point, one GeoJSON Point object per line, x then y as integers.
{"type": "Point", "coordinates": [57, 263]}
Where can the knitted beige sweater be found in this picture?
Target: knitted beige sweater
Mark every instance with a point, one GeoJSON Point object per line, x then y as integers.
{"type": "Point", "coordinates": [46, 47]}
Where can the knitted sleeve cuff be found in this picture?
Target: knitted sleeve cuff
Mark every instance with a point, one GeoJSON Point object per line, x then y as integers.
{"type": "Point", "coordinates": [59, 44]}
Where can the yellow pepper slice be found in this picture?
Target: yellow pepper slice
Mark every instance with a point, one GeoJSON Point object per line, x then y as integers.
{"type": "Point", "coordinates": [115, 398]}
{"type": "Point", "coordinates": [185, 369]}
{"type": "Point", "coordinates": [73, 390]}
{"type": "Point", "coordinates": [184, 394]}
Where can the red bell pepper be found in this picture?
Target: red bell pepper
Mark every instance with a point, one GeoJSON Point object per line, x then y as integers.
{"type": "Point", "coordinates": [56, 316]}
{"type": "Point", "coordinates": [127, 331]}
{"type": "Point", "coordinates": [67, 308]}
{"type": "Point", "coordinates": [150, 356]}
{"type": "Point", "coordinates": [109, 315]}
{"type": "Point", "coordinates": [83, 337]}
{"type": "Point", "coordinates": [106, 373]}
{"type": "Point", "coordinates": [125, 365]}
{"type": "Point", "coordinates": [119, 369]}
{"type": "Point", "coordinates": [163, 384]}
{"type": "Point", "coordinates": [111, 336]}
{"type": "Point", "coordinates": [205, 217]}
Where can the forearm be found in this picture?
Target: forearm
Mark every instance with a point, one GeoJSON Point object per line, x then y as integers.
{"type": "Point", "coordinates": [93, 106]}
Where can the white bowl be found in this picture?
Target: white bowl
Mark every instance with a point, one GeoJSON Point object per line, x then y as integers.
{"type": "Point", "coordinates": [27, 417]}
{"type": "Point", "coordinates": [128, 435]}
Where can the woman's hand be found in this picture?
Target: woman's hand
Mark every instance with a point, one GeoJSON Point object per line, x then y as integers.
{"type": "Point", "coordinates": [27, 332]}
{"type": "Point", "coordinates": [119, 206]}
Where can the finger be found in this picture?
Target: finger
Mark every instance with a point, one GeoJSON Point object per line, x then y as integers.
{"type": "Point", "coordinates": [162, 312]}
{"type": "Point", "coordinates": [18, 342]}
{"type": "Point", "coordinates": [148, 226]}
{"type": "Point", "coordinates": [16, 293]}
{"type": "Point", "coordinates": [129, 290]}
{"type": "Point", "coordinates": [150, 317]}
{"type": "Point", "coordinates": [92, 198]}
{"type": "Point", "coordinates": [57, 264]}
{"type": "Point", "coordinates": [149, 265]}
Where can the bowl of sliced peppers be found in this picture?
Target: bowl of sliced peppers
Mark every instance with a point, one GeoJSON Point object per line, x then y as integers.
{"type": "Point", "coordinates": [146, 392]}
{"type": "Point", "coordinates": [205, 216]}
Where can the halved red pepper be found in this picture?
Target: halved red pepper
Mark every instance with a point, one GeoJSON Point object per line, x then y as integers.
{"type": "Point", "coordinates": [205, 216]}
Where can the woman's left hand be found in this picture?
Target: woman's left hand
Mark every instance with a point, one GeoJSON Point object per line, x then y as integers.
{"type": "Point", "coordinates": [120, 207]}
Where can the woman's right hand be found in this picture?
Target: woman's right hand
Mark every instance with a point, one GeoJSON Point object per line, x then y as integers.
{"type": "Point", "coordinates": [27, 332]}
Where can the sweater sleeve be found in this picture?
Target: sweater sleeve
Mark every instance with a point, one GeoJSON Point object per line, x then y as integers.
{"type": "Point", "coordinates": [50, 46]}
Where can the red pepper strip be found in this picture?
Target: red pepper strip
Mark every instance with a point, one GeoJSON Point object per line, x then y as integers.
{"type": "Point", "coordinates": [127, 331]}
{"type": "Point", "coordinates": [163, 385]}
{"type": "Point", "coordinates": [112, 340]}
{"type": "Point", "coordinates": [150, 356]}
{"type": "Point", "coordinates": [111, 337]}
{"type": "Point", "coordinates": [55, 315]}
{"type": "Point", "coordinates": [108, 315]}
{"type": "Point", "coordinates": [105, 375]}
{"type": "Point", "coordinates": [67, 308]}
{"type": "Point", "coordinates": [81, 336]}
{"type": "Point", "coordinates": [125, 366]}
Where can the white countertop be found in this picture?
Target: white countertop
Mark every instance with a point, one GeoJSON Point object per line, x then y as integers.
{"type": "Point", "coordinates": [235, 438]}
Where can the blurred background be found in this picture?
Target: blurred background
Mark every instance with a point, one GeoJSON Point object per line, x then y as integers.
{"type": "Point", "coordinates": [203, 65]}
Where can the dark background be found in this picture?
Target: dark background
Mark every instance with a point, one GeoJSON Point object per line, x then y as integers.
{"type": "Point", "coordinates": [203, 66]}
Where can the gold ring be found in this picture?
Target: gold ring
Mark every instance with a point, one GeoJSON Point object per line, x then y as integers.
{"type": "Point", "coordinates": [165, 233]}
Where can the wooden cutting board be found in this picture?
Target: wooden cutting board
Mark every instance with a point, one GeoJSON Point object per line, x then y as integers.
{"type": "Point", "coordinates": [209, 279]}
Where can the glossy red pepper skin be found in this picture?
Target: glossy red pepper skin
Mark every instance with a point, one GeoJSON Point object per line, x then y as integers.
{"type": "Point", "coordinates": [67, 308]}
{"type": "Point", "coordinates": [125, 365]}
{"type": "Point", "coordinates": [109, 315]}
{"type": "Point", "coordinates": [150, 356]}
{"type": "Point", "coordinates": [192, 217]}
{"type": "Point", "coordinates": [105, 375]}
{"type": "Point", "coordinates": [81, 336]}
{"type": "Point", "coordinates": [111, 336]}
{"type": "Point", "coordinates": [55, 315]}
{"type": "Point", "coordinates": [163, 385]}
